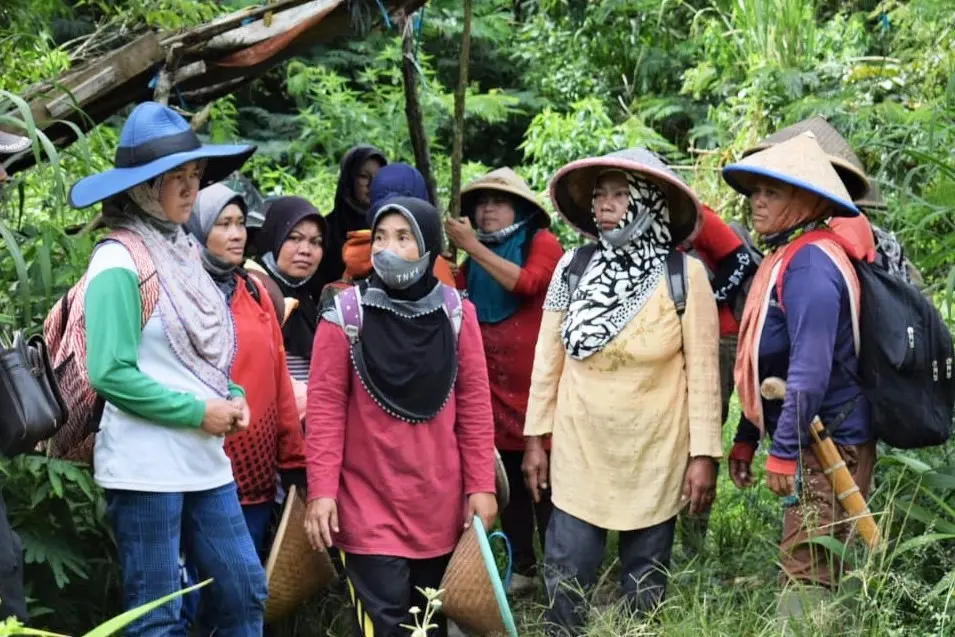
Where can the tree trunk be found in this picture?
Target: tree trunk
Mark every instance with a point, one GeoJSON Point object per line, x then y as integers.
{"type": "Point", "coordinates": [459, 99]}
{"type": "Point", "coordinates": [419, 137]}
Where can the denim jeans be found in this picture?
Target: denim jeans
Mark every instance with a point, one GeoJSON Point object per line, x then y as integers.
{"type": "Point", "coordinates": [149, 527]}
{"type": "Point", "coordinates": [574, 554]}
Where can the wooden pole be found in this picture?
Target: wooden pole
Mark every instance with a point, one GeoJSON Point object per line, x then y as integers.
{"type": "Point", "coordinates": [843, 484]}
{"type": "Point", "coordinates": [460, 95]}
{"type": "Point", "coordinates": [416, 130]}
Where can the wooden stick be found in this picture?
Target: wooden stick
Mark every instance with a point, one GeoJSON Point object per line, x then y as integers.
{"type": "Point", "coordinates": [460, 96]}
{"type": "Point", "coordinates": [835, 469]}
{"type": "Point", "coordinates": [413, 113]}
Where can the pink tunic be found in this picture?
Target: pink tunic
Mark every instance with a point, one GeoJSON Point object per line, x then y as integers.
{"type": "Point", "coordinates": [401, 488]}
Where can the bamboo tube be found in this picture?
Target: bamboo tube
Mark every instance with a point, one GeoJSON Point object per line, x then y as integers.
{"type": "Point", "coordinates": [835, 469]}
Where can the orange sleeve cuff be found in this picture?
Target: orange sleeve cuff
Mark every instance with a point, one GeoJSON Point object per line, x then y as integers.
{"type": "Point", "coordinates": [781, 466]}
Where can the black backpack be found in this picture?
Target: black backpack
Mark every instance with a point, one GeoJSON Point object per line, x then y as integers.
{"type": "Point", "coordinates": [905, 358]}
{"type": "Point", "coordinates": [676, 273]}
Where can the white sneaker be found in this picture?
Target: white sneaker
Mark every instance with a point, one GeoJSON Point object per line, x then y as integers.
{"type": "Point", "coordinates": [522, 584]}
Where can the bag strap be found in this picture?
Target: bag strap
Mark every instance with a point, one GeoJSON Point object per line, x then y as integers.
{"type": "Point", "coordinates": [676, 280]}
{"type": "Point", "coordinates": [145, 268]}
{"type": "Point", "coordinates": [452, 307]}
{"type": "Point", "coordinates": [578, 265]}
{"type": "Point", "coordinates": [348, 306]}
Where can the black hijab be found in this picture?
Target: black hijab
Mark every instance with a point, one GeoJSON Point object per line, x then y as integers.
{"type": "Point", "coordinates": [283, 215]}
{"type": "Point", "coordinates": [409, 365]}
{"type": "Point", "coordinates": [347, 216]}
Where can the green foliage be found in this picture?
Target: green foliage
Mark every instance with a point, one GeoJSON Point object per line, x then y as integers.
{"type": "Point", "coordinates": [551, 81]}
{"type": "Point", "coordinates": [60, 515]}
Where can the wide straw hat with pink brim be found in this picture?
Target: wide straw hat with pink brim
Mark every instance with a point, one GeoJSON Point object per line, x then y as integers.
{"type": "Point", "coordinates": [572, 191]}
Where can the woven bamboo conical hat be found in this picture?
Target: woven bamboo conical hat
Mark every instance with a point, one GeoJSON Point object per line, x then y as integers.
{"type": "Point", "coordinates": [507, 181]}
{"type": "Point", "coordinates": [474, 595]}
{"type": "Point", "coordinates": [864, 191]}
{"type": "Point", "coordinates": [294, 571]}
{"type": "Point", "coordinates": [800, 162]}
{"type": "Point", "coordinates": [572, 191]}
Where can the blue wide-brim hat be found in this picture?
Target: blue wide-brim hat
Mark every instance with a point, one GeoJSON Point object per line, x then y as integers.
{"type": "Point", "coordinates": [800, 162]}
{"type": "Point", "coordinates": [154, 140]}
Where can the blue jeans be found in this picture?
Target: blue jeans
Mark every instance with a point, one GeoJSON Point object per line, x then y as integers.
{"type": "Point", "coordinates": [258, 517]}
{"type": "Point", "coordinates": [574, 553]}
{"type": "Point", "coordinates": [149, 527]}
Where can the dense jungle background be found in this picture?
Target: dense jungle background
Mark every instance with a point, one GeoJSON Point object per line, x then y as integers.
{"type": "Point", "coordinates": [551, 81]}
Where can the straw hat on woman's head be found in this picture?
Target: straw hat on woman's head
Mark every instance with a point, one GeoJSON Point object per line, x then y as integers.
{"type": "Point", "coordinates": [799, 162]}
{"type": "Point", "coordinates": [863, 191]}
{"type": "Point", "coordinates": [155, 140]}
{"type": "Point", "coordinates": [572, 191]}
{"type": "Point", "coordinates": [506, 181]}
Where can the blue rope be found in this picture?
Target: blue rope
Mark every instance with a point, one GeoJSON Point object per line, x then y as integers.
{"type": "Point", "coordinates": [419, 22]}
{"type": "Point", "coordinates": [384, 14]}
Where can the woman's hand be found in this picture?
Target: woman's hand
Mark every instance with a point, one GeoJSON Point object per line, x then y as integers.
{"type": "Point", "coordinates": [781, 484]}
{"type": "Point", "coordinates": [245, 415]}
{"type": "Point", "coordinates": [321, 520]}
{"type": "Point", "coordinates": [535, 467]}
{"type": "Point", "coordinates": [461, 233]}
{"type": "Point", "coordinates": [699, 484]}
{"type": "Point", "coordinates": [222, 415]}
{"type": "Point", "coordinates": [484, 505]}
{"type": "Point", "coordinates": [741, 472]}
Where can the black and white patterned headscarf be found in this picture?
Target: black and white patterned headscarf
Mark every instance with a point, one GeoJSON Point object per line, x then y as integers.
{"type": "Point", "coordinates": [620, 278]}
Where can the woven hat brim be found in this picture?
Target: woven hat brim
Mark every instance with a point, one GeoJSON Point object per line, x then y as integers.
{"type": "Point", "coordinates": [222, 161]}
{"type": "Point", "coordinates": [572, 187]}
{"type": "Point", "coordinates": [854, 179]}
{"type": "Point", "coordinates": [469, 194]}
{"type": "Point", "coordinates": [502, 486]}
{"type": "Point", "coordinates": [493, 616]}
{"type": "Point", "coordinates": [740, 177]}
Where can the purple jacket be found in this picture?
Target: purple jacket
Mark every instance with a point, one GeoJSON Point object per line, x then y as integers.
{"type": "Point", "coordinates": [811, 346]}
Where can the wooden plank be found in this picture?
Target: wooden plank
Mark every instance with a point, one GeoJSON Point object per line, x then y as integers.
{"type": "Point", "coordinates": [258, 31]}
{"type": "Point", "coordinates": [82, 94]}
{"type": "Point", "coordinates": [200, 35]}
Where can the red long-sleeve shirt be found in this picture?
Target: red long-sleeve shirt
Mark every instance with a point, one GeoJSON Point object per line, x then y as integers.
{"type": "Point", "coordinates": [274, 439]}
{"type": "Point", "coordinates": [509, 345]}
{"type": "Point", "coordinates": [400, 488]}
{"type": "Point", "coordinates": [714, 242]}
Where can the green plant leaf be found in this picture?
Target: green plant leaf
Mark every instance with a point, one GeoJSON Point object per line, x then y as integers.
{"type": "Point", "coordinates": [920, 541]}
{"type": "Point", "coordinates": [119, 622]}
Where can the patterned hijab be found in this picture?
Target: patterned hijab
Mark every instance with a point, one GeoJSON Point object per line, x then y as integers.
{"type": "Point", "coordinates": [196, 319]}
{"type": "Point", "coordinates": [626, 269]}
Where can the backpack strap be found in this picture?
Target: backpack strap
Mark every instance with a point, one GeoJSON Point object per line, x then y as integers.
{"type": "Point", "coordinates": [676, 280]}
{"type": "Point", "coordinates": [452, 307]}
{"type": "Point", "coordinates": [823, 239]}
{"type": "Point", "coordinates": [148, 278]}
{"type": "Point", "coordinates": [578, 265]}
{"type": "Point", "coordinates": [348, 305]}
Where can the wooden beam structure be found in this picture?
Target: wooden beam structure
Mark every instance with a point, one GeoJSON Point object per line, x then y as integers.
{"type": "Point", "coordinates": [200, 65]}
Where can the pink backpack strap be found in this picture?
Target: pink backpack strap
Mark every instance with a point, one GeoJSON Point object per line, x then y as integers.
{"type": "Point", "coordinates": [148, 279]}
{"type": "Point", "coordinates": [348, 306]}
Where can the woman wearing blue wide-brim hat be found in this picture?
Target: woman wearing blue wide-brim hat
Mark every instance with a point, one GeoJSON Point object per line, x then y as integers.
{"type": "Point", "coordinates": [160, 345]}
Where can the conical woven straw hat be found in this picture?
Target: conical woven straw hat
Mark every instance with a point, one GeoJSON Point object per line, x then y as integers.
{"type": "Point", "coordinates": [474, 596]}
{"type": "Point", "coordinates": [502, 180]}
{"type": "Point", "coordinates": [799, 162]}
{"type": "Point", "coordinates": [572, 191]}
{"type": "Point", "coordinates": [863, 191]}
{"type": "Point", "coordinates": [294, 571]}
